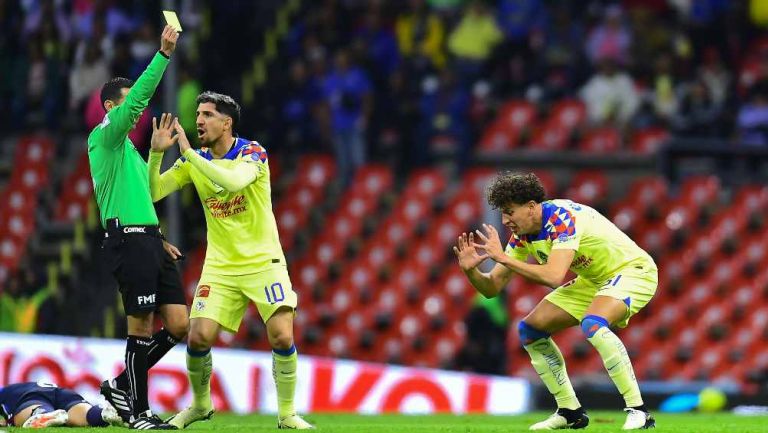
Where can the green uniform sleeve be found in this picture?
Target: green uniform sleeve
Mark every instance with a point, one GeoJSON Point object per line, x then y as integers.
{"type": "Point", "coordinates": [231, 179]}
{"type": "Point", "coordinates": [119, 120]}
{"type": "Point", "coordinates": [160, 185]}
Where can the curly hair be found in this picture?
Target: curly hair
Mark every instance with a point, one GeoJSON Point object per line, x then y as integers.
{"type": "Point", "coordinates": [515, 188]}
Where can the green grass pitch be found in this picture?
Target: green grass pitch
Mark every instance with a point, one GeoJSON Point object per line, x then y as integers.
{"type": "Point", "coordinates": [600, 422]}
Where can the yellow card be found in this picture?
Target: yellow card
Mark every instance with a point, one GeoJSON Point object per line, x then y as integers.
{"type": "Point", "coordinates": [172, 19]}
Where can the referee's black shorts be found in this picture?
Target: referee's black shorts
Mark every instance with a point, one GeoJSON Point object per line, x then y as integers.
{"type": "Point", "coordinates": [145, 273]}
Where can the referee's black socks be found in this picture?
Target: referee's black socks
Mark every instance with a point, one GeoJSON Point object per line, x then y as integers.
{"type": "Point", "coordinates": [150, 351]}
{"type": "Point", "coordinates": [136, 371]}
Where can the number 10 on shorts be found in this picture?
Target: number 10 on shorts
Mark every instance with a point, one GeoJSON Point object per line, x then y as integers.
{"type": "Point", "coordinates": [274, 293]}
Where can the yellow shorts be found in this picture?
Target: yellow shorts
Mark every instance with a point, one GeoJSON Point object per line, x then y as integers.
{"type": "Point", "coordinates": [224, 298]}
{"type": "Point", "coordinates": [633, 285]}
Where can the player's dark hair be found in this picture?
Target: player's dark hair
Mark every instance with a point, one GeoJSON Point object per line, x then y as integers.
{"type": "Point", "coordinates": [515, 188]}
{"type": "Point", "coordinates": [112, 89]}
{"type": "Point", "coordinates": [224, 105]}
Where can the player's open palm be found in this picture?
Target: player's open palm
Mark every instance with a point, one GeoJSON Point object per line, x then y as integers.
{"type": "Point", "coordinates": [467, 254]}
{"type": "Point", "coordinates": [163, 133]}
{"type": "Point", "coordinates": [491, 242]}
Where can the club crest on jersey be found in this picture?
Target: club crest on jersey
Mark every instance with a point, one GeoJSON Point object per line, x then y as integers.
{"type": "Point", "coordinates": [257, 153]}
{"type": "Point", "coordinates": [203, 291]}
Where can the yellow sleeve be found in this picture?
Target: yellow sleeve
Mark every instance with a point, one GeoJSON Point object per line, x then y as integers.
{"type": "Point", "coordinates": [231, 179]}
{"type": "Point", "coordinates": [160, 185]}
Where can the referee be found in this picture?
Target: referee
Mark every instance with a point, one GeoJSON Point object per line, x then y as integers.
{"type": "Point", "coordinates": [135, 251]}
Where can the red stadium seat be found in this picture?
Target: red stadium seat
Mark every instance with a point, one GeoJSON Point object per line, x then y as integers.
{"type": "Point", "coordinates": [648, 141]}
{"type": "Point", "coordinates": [648, 191]}
{"type": "Point", "coordinates": [601, 140]}
{"type": "Point", "coordinates": [550, 137]}
{"type": "Point", "coordinates": [700, 190]}
{"type": "Point", "coordinates": [497, 138]}
{"type": "Point", "coordinates": [568, 114]}
{"type": "Point", "coordinates": [588, 187]}
{"type": "Point", "coordinates": [517, 115]}
{"type": "Point", "coordinates": [315, 170]}
{"type": "Point", "coordinates": [425, 184]}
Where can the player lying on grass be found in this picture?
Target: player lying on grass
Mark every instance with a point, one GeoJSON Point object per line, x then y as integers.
{"type": "Point", "coordinates": [244, 261]}
{"type": "Point", "coordinates": [37, 405]}
{"type": "Point", "coordinates": [615, 279]}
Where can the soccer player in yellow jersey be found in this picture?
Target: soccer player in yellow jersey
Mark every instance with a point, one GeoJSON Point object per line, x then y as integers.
{"type": "Point", "coordinates": [615, 279]}
{"type": "Point", "coordinates": [244, 261]}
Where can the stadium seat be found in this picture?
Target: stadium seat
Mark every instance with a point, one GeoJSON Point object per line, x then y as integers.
{"type": "Point", "coordinates": [588, 187]}
{"type": "Point", "coordinates": [648, 141]}
{"type": "Point", "coordinates": [568, 114]}
{"type": "Point", "coordinates": [550, 138]}
{"type": "Point", "coordinates": [601, 141]}
{"type": "Point", "coordinates": [517, 115]}
{"type": "Point", "coordinates": [496, 139]}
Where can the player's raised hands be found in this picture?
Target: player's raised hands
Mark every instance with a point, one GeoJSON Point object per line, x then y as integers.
{"type": "Point", "coordinates": [183, 140]}
{"type": "Point", "coordinates": [467, 254]}
{"type": "Point", "coordinates": [168, 40]}
{"type": "Point", "coordinates": [491, 243]}
{"type": "Point", "coordinates": [163, 134]}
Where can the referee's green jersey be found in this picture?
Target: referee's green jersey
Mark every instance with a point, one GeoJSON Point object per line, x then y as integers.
{"type": "Point", "coordinates": [120, 175]}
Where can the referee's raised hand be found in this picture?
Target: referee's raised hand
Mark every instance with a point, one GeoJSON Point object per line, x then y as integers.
{"type": "Point", "coordinates": [168, 40]}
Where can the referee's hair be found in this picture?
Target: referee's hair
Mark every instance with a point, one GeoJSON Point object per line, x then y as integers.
{"type": "Point", "coordinates": [112, 89]}
{"type": "Point", "coordinates": [224, 104]}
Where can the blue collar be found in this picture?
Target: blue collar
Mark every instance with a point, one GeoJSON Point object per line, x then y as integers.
{"type": "Point", "coordinates": [231, 154]}
{"type": "Point", "coordinates": [547, 209]}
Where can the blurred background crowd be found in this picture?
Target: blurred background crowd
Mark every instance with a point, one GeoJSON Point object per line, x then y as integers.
{"type": "Point", "coordinates": [383, 119]}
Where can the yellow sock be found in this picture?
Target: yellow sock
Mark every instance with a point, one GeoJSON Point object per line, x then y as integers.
{"type": "Point", "coordinates": [616, 361]}
{"type": "Point", "coordinates": [284, 371]}
{"type": "Point", "coordinates": [199, 367]}
{"type": "Point", "coordinates": [548, 362]}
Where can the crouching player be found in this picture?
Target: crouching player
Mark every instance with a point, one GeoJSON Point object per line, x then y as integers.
{"type": "Point", "coordinates": [615, 279]}
{"type": "Point", "coordinates": [37, 405]}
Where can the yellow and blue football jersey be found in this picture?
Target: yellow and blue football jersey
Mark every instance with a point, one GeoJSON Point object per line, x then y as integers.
{"type": "Point", "coordinates": [601, 248]}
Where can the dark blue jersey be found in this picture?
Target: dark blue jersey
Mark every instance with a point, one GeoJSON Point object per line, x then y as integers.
{"type": "Point", "coordinates": [19, 396]}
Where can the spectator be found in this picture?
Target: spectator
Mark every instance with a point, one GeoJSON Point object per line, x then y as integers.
{"type": "Point", "coordinates": [21, 302]}
{"type": "Point", "coordinates": [348, 93]}
{"type": "Point", "coordinates": [379, 45]}
{"type": "Point", "coordinates": [40, 12]}
{"type": "Point", "coordinates": [518, 18]}
{"type": "Point", "coordinates": [610, 95]}
{"type": "Point", "coordinates": [663, 97]}
{"type": "Point", "coordinates": [36, 98]}
{"type": "Point", "coordinates": [611, 38]}
{"type": "Point", "coordinates": [116, 20]}
{"type": "Point", "coordinates": [698, 112]}
{"type": "Point", "coordinates": [420, 37]}
{"type": "Point", "coordinates": [298, 115]}
{"type": "Point", "coordinates": [87, 76]}
{"type": "Point", "coordinates": [187, 100]}
{"type": "Point", "coordinates": [752, 120]}
{"type": "Point", "coordinates": [715, 76]}
{"type": "Point", "coordinates": [444, 114]}
{"type": "Point", "coordinates": [473, 40]}
{"type": "Point", "coordinates": [485, 347]}
{"type": "Point", "coordinates": [144, 44]}
{"type": "Point", "coordinates": [99, 37]}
